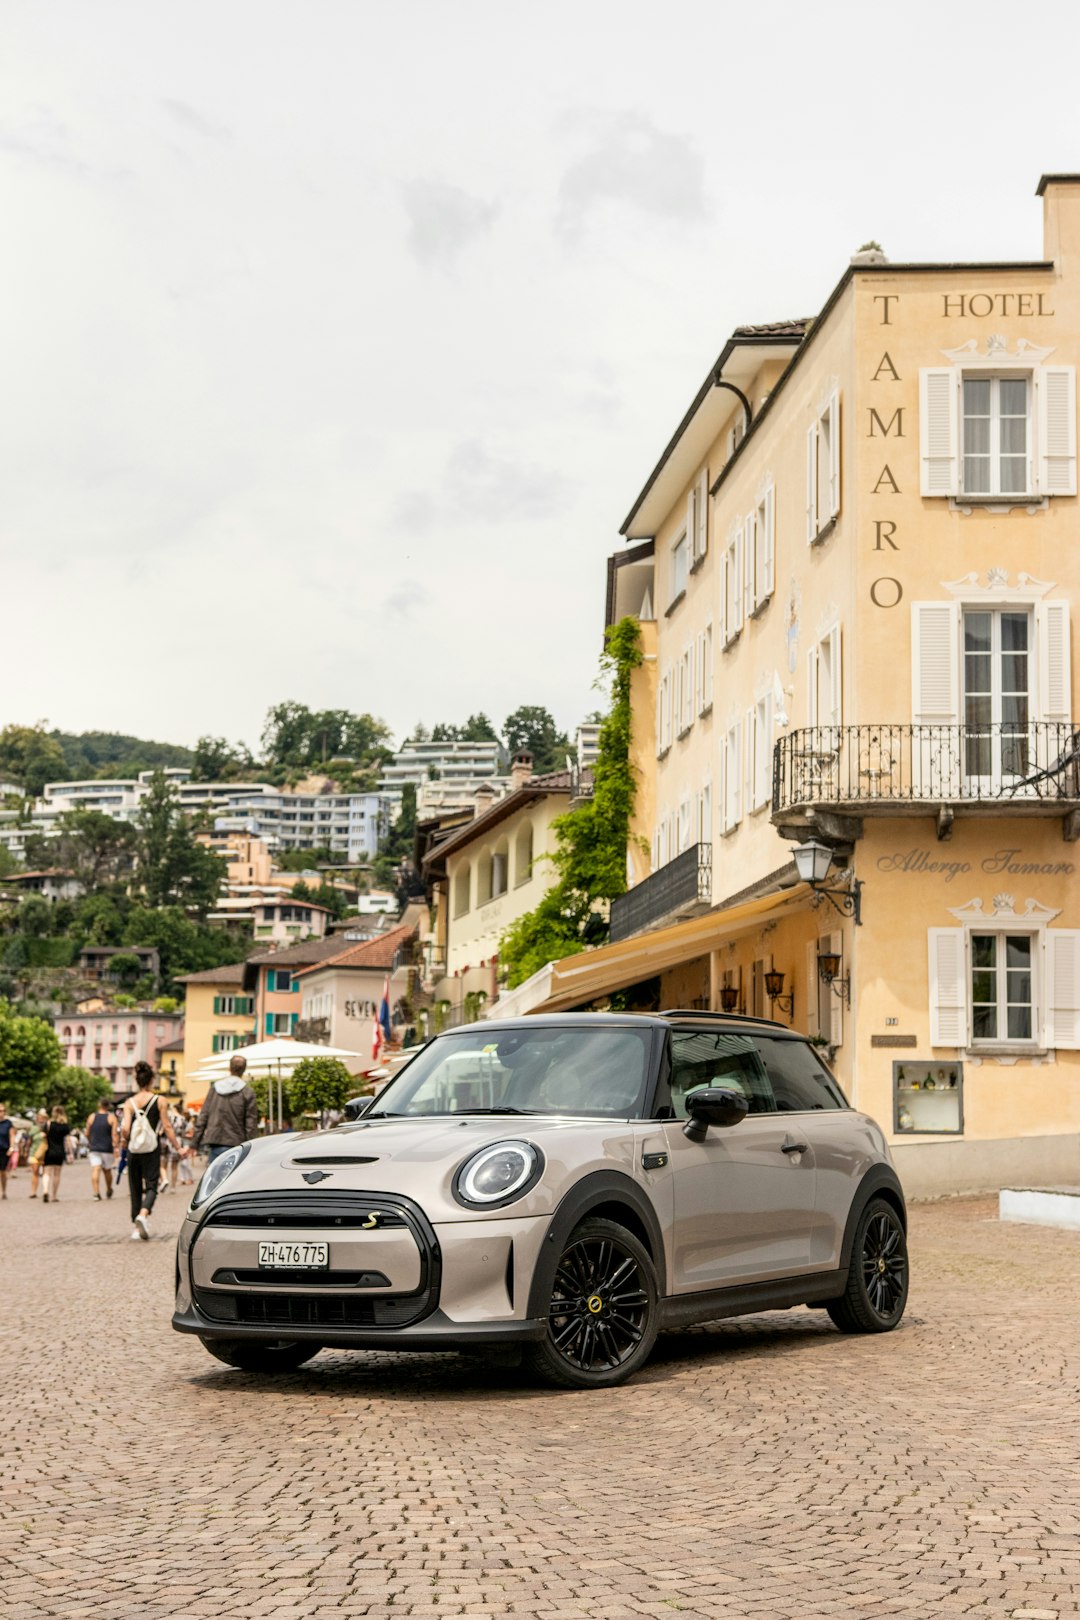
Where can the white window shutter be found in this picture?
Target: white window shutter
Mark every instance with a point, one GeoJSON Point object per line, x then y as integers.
{"type": "Point", "coordinates": [1063, 988]}
{"type": "Point", "coordinates": [812, 992]}
{"type": "Point", "coordinates": [659, 717]}
{"type": "Point", "coordinates": [769, 583]}
{"type": "Point", "coordinates": [939, 409]}
{"type": "Point", "coordinates": [735, 773]}
{"type": "Point", "coordinates": [722, 805]}
{"type": "Point", "coordinates": [1055, 388]}
{"type": "Point", "coordinates": [812, 713]}
{"type": "Point", "coordinates": [836, 1005]}
{"type": "Point", "coordinates": [834, 454]}
{"type": "Point", "coordinates": [749, 748]}
{"type": "Point", "coordinates": [811, 484]}
{"type": "Point", "coordinates": [691, 524]}
{"type": "Point", "coordinates": [735, 595]}
{"type": "Point", "coordinates": [948, 987]}
{"type": "Point", "coordinates": [935, 662]}
{"type": "Point", "coordinates": [749, 551]}
{"type": "Point", "coordinates": [701, 512]}
{"type": "Point", "coordinates": [763, 751]}
{"type": "Point", "coordinates": [724, 598]}
{"type": "Point", "coordinates": [1055, 678]}
{"type": "Point", "coordinates": [706, 814]}
{"type": "Point", "coordinates": [836, 683]}
{"type": "Point", "coordinates": [708, 665]}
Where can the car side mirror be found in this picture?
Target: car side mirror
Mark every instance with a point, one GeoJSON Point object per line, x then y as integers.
{"type": "Point", "coordinates": [713, 1106]}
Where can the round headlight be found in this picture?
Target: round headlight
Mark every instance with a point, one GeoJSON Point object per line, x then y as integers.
{"type": "Point", "coordinates": [215, 1173]}
{"type": "Point", "coordinates": [498, 1174]}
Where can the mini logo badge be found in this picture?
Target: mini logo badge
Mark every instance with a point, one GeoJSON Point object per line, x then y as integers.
{"type": "Point", "coordinates": [312, 1176]}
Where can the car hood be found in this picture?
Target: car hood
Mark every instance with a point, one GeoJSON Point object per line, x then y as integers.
{"type": "Point", "coordinates": [418, 1158]}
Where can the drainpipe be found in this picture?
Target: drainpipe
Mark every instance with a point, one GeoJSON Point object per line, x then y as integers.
{"type": "Point", "coordinates": [718, 382]}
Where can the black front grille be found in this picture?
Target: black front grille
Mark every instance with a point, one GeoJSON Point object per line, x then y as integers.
{"type": "Point", "coordinates": [289, 1210]}
{"type": "Point", "coordinates": [299, 1278]}
{"type": "Point", "coordinates": [296, 1310]}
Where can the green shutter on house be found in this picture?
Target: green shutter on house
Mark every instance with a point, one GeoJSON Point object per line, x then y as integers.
{"type": "Point", "coordinates": [269, 1023]}
{"type": "Point", "coordinates": [214, 1047]}
{"type": "Point", "coordinates": [217, 1006]}
{"type": "Point", "coordinates": [292, 1021]}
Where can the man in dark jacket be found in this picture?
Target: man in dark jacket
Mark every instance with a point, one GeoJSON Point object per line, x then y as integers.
{"type": "Point", "coordinates": [230, 1114]}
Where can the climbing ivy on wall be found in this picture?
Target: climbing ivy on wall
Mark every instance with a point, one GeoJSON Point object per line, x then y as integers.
{"type": "Point", "coordinates": [590, 854]}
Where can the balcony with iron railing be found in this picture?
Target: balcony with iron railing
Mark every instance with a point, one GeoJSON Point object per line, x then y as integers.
{"type": "Point", "coordinates": [1001, 768]}
{"type": "Point", "coordinates": [677, 890]}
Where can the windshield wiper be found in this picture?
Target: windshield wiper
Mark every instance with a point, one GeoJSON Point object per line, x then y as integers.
{"type": "Point", "coordinates": [506, 1109]}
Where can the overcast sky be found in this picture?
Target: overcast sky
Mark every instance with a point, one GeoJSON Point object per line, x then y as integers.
{"type": "Point", "coordinates": [339, 335]}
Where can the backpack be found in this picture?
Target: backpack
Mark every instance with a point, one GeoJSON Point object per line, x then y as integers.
{"type": "Point", "coordinates": [142, 1137]}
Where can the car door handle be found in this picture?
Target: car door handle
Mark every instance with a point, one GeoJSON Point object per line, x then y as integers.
{"type": "Point", "coordinates": [793, 1147]}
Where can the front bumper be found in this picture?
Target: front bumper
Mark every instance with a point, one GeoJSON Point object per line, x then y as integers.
{"type": "Point", "coordinates": [394, 1283]}
{"type": "Point", "coordinates": [435, 1332]}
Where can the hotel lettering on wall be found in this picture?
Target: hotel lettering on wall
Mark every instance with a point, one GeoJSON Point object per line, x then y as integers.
{"type": "Point", "coordinates": [1002, 863]}
{"type": "Point", "coordinates": [885, 419]}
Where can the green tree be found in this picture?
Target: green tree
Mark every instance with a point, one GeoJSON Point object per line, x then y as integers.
{"type": "Point", "coordinates": [262, 1085]}
{"type": "Point", "coordinates": [31, 757]}
{"type": "Point", "coordinates": [75, 1090]}
{"type": "Point", "coordinates": [590, 855]}
{"type": "Point", "coordinates": [29, 1057]}
{"type": "Point", "coordinates": [35, 917]}
{"type": "Point", "coordinates": [477, 728]}
{"type": "Point", "coordinates": [216, 760]}
{"type": "Point", "coordinates": [173, 867]}
{"type": "Point", "coordinates": [8, 862]}
{"type": "Point", "coordinates": [112, 753]}
{"type": "Point", "coordinates": [532, 727]}
{"type": "Point", "coordinates": [319, 1083]}
{"type": "Point", "coordinates": [99, 919]}
{"type": "Point", "coordinates": [97, 848]}
{"type": "Point", "coordinates": [398, 841]}
{"type": "Point", "coordinates": [126, 968]}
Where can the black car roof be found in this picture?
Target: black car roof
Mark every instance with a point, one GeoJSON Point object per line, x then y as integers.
{"type": "Point", "coordinates": [660, 1020]}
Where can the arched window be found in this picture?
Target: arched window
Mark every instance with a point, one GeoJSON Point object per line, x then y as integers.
{"type": "Point", "coordinates": [484, 879]}
{"type": "Point", "coordinates": [523, 854]}
{"type": "Point", "coordinates": [500, 868]}
{"type": "Point", "coordinates": [81, 1032]}
{"type": "Point", "coordinates": [133, 1030]}
{"type": "Point", "coordinates": [461, 889]}
{"type": "Point", "coordinates": [67, 1032]}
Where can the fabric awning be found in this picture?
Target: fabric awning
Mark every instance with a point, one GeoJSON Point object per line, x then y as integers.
{"type": "Point", "coordinates": [612, 967]}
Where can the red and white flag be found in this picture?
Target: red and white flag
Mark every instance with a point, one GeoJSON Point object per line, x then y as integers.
{"type": "Point", "coordinates": [376, 1039]}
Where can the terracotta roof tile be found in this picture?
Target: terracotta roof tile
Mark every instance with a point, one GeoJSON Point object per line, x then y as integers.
{"type": "Point", "coordinates": [796, 328]}
{"type": "Point", "coordinates": [232, 973]}
{"type": "Point", "coordinates": [369, 953]}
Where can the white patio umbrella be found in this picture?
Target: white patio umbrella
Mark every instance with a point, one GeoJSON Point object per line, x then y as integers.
{"type": "Point", "coordinates": [278, 1056]}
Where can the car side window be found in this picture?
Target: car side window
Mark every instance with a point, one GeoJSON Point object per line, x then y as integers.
{"type": "Point", "coordinates": [799, 1081]}
{"type": "Point", "coordinates": [703, 1058]}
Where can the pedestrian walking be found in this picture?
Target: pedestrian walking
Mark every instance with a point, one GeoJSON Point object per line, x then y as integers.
{"type": "Point", "coordinates": [57, 1147]}
{"type": "Point", "coordinates": [6, 1140]}
{"type": "Point", "coordinates": [230, 1114]}
{"type": "Point", "coordinates": [38, 1144]}
{"type": "Point", "coordinates": [144, 1118]}
{"type": "Point", "coordinates": [187, 1161]}
{"type": "Point", "coordinates": [102, 1133]}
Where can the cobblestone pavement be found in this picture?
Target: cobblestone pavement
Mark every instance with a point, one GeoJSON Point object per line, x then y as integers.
{"type": "Point", "coordinates": [767, 1468]}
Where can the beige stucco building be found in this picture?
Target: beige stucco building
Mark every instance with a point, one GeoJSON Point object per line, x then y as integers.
{"type": "Point", "coordinates": [340, 995]}
{"type": "Point", "coordinates": [856, 561]}
{"type": "Point", "coordinates": [219, 1016]}
{"type": "Point", "coordinates": [489, 871]}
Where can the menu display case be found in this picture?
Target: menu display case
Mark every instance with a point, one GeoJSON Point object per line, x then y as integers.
{"type": "Point", "coordinates": [928, 1098]}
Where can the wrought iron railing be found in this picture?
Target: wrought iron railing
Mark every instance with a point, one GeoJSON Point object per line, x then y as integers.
{"type": "Point", "coordinates": [686, 879]}
{"type": "Point", "coordinates": [930, 764]}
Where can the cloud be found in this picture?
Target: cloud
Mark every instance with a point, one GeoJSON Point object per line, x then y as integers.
{"type": "Point", "coordinates": [639, 166]}
{"type": "Point", "coordinates": [481, 486]}
{"type": "Point", "coordinates": [443, 220]}
{"type": "Point", "coordinates": [405, 597]}
{"type": "Point", "coordinates": [192, 119]}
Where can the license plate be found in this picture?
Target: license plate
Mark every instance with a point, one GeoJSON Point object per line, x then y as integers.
{"type": "Point", "coordinates": [295, 1256]}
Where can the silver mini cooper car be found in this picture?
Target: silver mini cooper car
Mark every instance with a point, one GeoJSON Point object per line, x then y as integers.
{"type": "Point", "coordinates": [570, 1184]}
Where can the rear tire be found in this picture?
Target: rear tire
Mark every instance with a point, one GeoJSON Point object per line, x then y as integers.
{"type": "Point", "coordinates": [604, 1310]}
{"type": "Point", "coordinates": [877, 1286]}
{"type": "Point", "coordinates": [254, 1355]}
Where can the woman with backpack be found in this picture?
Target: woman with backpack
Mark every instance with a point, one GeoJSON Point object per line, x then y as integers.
{"type": "Point", "coordinates": [143, 1120]}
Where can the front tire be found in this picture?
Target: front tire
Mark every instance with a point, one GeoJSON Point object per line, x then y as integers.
{"type": "Point", "coordinates": [877, 1286]}
{"type": "Point", "coordinates": [254, 1355]}
{"type": "Point", "coordinates": [604, 1310]}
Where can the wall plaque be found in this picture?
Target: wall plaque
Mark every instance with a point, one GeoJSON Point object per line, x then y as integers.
{"type": "Point", "coordinates": [894, 1040]}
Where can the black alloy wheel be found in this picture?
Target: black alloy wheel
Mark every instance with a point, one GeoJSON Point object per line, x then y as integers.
{"type": "Point", "coordinates": [603, 1313]}
{"type": "Point", "coordinates": [877, 1287]}
{"type": "Point", "coordinates": [261, 1355]}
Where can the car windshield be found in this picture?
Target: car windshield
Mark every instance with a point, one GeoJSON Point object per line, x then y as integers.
{"type": "Point", "coordinates": [591, 1072]}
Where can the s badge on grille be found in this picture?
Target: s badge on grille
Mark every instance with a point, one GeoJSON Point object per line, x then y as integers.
{"type": "Point", "coordinates": [313, 1176]}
